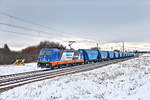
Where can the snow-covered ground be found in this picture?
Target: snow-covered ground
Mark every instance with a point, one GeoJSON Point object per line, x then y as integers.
{"type": "Point", "coordinates": [129, 80]}
{"type": "Point", "coordinates": [12, 69]}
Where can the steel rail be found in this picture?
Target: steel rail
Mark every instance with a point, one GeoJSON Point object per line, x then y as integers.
{"type": "Point", "coordinates": [37, 76]}
{"type": "Point", "coordinates": [17, 74]}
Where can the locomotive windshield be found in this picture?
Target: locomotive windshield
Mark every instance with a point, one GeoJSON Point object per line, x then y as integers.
{"type": "Point", "coordinates": [45, 52]}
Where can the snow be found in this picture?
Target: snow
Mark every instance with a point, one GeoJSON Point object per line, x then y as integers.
{"type": "Point", "coordinates": [12, 69]}
{"type": "Point", "coordinates": [129, 80]}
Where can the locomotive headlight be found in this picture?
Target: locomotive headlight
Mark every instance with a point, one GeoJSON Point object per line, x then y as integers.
{"type": "Point", "coordinates": [47, 64]}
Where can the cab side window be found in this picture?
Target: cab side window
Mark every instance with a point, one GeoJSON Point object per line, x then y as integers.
{"type": "Point", "coordinates": [55, 53]}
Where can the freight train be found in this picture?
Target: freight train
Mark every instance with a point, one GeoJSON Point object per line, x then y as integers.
{"type": "Point", "coordinates": [55, 58]}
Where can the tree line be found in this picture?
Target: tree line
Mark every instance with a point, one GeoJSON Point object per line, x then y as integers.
{"type": "Point", "coordinates": [30, 54]}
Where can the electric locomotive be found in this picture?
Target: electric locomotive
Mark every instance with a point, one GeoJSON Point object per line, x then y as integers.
{"type": "Point", "coordinates": [51, 58]}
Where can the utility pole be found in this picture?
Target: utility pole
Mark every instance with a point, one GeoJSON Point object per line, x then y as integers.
{"type": "Point", "coordinates": [97, 46]}
{"type": "Point", "coordinates": [123, 46]}
{"type": "Point", "coordinates": [111, 48]}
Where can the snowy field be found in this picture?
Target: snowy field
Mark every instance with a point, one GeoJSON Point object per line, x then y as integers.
{"type": "Point", "coordinates": [129, 80]}
{"type": "Point", "coordinates": [12, 69]}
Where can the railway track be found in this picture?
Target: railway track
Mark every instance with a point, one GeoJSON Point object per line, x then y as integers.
{"type": "Point", "coordinates": [13, 80]}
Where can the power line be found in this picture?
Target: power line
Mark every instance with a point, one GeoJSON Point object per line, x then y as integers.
{"type": "Point", "coordinates": [27, 21]}
{"type": "Point", "coordinates": [20, 33]}
{"type": "Point", "coordinates": [33, 23]}
{"type": "Point", "coordinates": [24, 28]}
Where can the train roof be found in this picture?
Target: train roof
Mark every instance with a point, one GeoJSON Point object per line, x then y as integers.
{"type": "Point", "coordinates": [46, 49]}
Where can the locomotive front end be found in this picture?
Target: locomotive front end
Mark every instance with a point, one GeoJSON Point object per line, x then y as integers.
{"type": "Point", "coordinates": [44, 58]}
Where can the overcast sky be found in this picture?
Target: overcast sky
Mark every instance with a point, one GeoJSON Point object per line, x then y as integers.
{"type": "Point", "coordinates": [100, 20]}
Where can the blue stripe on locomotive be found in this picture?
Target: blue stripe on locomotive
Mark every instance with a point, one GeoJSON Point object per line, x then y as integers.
{"type": "Point", "coordinates": [90, 55]}
{"type": "Point", "coordinates": [103, 55]}
{"type": "Point", "coordinates": [111, 54]}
